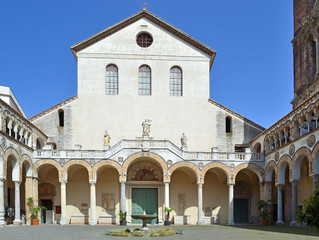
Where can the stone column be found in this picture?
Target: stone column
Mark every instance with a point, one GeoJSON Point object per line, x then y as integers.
{"type": "Point", "coordinates": [315, 181]}
{"type": "Point", "coordinates": [294, 202]}
{"type": "Point", "coordinates": [231, 204]}
{"type": "Point", "coordinates": [2, 210]}
{"type": "Point", "coordinates": [63, 202]}
{"type": "Point", "coordinates": [316, 39]}
{"type": "Point", "coordinates": [268, 190]}
{"type": "Point", "coordinates": [17, 217]}
{"type": "Point", "coordinates": [166, 195]}
{"type": "Point", "coordinates": [279, 205]}
{"type": "Point", "coordinates": [200, 204]}
{"type": "Point", "coordinates": [123, 198]}
{"type": "Point", "coordinates": [93, 203]}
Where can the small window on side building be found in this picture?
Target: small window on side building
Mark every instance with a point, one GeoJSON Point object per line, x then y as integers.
{"type": "Point", "coordinates": [61, 117]}
{"type": "Point", "coordinates": [228, 125]}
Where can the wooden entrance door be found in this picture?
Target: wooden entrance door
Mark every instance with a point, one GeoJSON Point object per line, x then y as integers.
{"type": "Point", "coordinates": [241, 210]}
{"type": "Point", "coordinates": [144, 199]}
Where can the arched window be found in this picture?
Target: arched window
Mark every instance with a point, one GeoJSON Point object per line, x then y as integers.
{"type": "Point", "coordinates": [112, 81]}
{"type": "Point", "coordinates": [228, 125]}
{"type": "Point", "coordinates": [176, 81]}
{"type": "Point", "coordinates": [61, 117]}
{"type": "Point", "coordinates": [144, 80]}
{"type": "Point", "coordinates": [7, 126]}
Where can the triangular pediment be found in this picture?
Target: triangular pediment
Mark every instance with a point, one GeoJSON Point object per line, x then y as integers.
{"type": "Point", "coordinates": [151, 17]}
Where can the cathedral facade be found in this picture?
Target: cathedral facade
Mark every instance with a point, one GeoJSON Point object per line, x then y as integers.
{"type": "Point", "coordinates": [142, 135]}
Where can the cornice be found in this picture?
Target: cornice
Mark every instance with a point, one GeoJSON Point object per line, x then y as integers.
{"type": "Point", "coordinates": [53, 108]}
{"type": "Point", "coordinates": [20, 116]}
{"type": "Point", "coordinates": [285, 118]}
{"type": "Point", "coordinates": [236, 114]}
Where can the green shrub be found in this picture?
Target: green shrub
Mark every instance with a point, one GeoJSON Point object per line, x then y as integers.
{"type": "Point", "coordinates": [309, 212]}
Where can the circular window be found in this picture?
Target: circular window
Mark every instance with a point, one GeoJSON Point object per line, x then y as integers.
{"type": "Point", "coordinates": [144, 40]}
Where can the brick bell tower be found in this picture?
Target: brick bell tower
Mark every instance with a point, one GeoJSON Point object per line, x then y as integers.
{"type": "Point", "coordinates": [305, 50]}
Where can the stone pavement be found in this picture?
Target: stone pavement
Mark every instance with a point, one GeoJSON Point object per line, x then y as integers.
{"type": "Point", "coordinates": [56, 232]}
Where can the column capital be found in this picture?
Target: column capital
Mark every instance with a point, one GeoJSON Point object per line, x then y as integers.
{"type": "Point", "coordinates": [278, 185]}
{"type": "Point", "coordinates": [17, 182]}
{"type": "Point", "coordinates": [294, 181]}
{"type": "Point", "coordinates": [123, 182]}
{"type": "Point", "coordinates": [92, 181]}
{"type": "Point", "coordinates": [315, 36]}
{"type": "Point", "coordinates": [231, 184]}
{"type": "Point", "coordinates": [2, 179]}
{"type": "Point", "coordinates": [62, 181]}
{"type": "Point", "coordinates": [200, 184]}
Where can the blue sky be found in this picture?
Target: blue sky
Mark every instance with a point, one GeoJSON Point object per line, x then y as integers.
{"type": "Point", "coordinates": [252, 73]}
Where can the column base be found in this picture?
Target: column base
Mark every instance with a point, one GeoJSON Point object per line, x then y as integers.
{"type": "Point", "coordinates": [280, 223]}
{"type": "Point", "coordinates": [93, 222]}
{"type": "Point", "coordinates": [199, 223]}
{"type": "Point", "coordinates": [231, 224]}
{"type": "Point", "coordinates": [63, 222]}
{"type": "Point", "coordinates": [17, 222]}
{"type": "Point", "coordinates": [294, 224]}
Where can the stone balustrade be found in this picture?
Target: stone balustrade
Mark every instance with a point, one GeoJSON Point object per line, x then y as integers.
{"type": "Point", "coordinates": [147, 145]}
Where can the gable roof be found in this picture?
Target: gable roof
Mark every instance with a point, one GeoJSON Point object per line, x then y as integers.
{"type": "Point", "coordinates": [144, 14]}
{"type": "Point", "coordinates": [21, 116]}
{"type": "Point", "coordinates": [236, 114]}
{"type": "Point", "coordinates": [59, 105]}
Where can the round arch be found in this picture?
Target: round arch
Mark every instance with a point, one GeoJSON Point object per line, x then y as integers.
{"type": "Point", "coordinates": [71, 163]}
{"type": "Point", "coordinates": [15, 165]}
{"type": "Point", "coordinates": [188, 165]}
{"type": "Point", "coordinates": [257, 148]}
{"type": "Point", "coordinates": [107, 163]}
{"type": "Point", "coordinates": [281, 168]}
{"type": "Point", "coordinates": [221, 166]}
{"type": "Point", "coordinates": [250, 166]}
{"type": "Point", "coordinates": [152, 156]}
{"type": "Point", "coordinates": [25, 159]}
{"type": "Point", "coordinates": [315, 160]}
{"type": "Point", "coordinates": [39, 164]}
{"type": "Point", "coordinates": [296, 162]}
{"type": "Point", "coordinates": [270, 169]}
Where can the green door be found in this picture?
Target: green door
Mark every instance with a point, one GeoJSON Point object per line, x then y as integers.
{"type": "Point", "coordinates": [241, 210]}
{"type": "Point", "coordinates": [144, 199]}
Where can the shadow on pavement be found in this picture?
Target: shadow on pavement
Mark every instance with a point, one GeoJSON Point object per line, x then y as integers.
{"type": "Point", "coordinates": [281, 229]}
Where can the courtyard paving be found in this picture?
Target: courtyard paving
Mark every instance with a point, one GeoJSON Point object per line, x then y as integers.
{"type": "Point", "coordinates": [56, 232]}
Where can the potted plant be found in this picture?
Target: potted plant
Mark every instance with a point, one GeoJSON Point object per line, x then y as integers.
{"type": "Point", "coordinates": [123, 221]}
{"type": "Point", "coordinates": [264, 213]}
{"type": "Point", "coordinates": [167, 222]}
{"type": "Point", "coordinates": [34, 210]}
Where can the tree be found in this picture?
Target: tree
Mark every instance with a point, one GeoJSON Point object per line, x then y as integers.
{"type": "Point", "coordinates": [309, 212]}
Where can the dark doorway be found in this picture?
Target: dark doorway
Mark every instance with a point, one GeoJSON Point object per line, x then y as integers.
{"type": "Point", "coordinates": [241, 209]}
{"type": "Point", "coordinates": [48, 204]}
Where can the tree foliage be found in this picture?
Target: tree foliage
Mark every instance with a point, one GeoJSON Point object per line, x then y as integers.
{"type": "Point", "coordinates": [309, 213]}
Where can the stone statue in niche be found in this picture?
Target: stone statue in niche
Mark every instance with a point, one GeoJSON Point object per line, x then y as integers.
{"type": "Point", "coordinates": [108, 201]}
{"type": "Point", "coordinates": [181, 202]}
{"type": "Point", "coordinates": [183, 140]}
{"type": "Point", "coordinates": [107, 138]}
{"type": "Point", "coordinates": [146, 126]}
